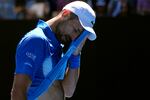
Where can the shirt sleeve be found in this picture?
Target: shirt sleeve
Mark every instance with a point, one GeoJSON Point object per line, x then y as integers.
{"type": "Point", "coordinates": [29, 55]}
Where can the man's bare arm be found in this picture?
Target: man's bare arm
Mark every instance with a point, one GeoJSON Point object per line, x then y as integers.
{"type": "Point", "coordinates": [20, 86]}
{"type": "Point", "coordinates": [72, 75]}
{"type": "Point", "coordinates": [70, 81]}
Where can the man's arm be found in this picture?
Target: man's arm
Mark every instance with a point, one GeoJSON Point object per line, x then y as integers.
{"type": "Point", "coordinates": [72, 75]}
{"type": "Point", "coordinates": [20, 86]}
{"type": "Point", "coordinates": [70, 81]}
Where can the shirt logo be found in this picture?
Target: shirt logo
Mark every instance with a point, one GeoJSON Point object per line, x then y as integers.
{"type": "Point", "coordinates": [30, 55]}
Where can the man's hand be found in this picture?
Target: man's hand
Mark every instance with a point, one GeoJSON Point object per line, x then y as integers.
{"type": "Point", "coordinates": [79, 48]}
{"type": "Point", "coordinates": [74, 60]}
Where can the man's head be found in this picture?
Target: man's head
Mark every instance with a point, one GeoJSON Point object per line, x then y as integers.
{"type": "Point", "coordinates": [85, 14]}
{"type": "Point", "coordinates": [75, 17]}
{"type": "Point", "coordinates": [68, 28]}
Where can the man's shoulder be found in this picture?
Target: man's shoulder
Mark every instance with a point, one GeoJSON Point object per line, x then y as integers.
{"type": "Point", "coordinates": [36, 35]}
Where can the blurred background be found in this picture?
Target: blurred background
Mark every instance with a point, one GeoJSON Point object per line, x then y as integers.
{"type": "Point", "coordinates": [114, 65]}
{"type": "Point", "coordinates": [45, 9]}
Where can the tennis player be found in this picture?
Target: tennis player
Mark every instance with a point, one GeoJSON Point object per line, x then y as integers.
{"type": "Point", "coordinates": [41, 49]}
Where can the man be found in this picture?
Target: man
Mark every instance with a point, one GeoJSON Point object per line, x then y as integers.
{"type": "Point", "coordinates": [41, 49]}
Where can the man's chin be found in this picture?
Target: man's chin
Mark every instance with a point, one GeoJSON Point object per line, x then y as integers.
{"type": "Point", "coordinates": [66, 42]}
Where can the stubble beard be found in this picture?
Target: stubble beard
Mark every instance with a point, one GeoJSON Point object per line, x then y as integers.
{"type": "Point", "coordinates": [64, 39]}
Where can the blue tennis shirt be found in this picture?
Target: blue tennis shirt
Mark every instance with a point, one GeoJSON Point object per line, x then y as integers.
{"type": "Point", "coordinates": [37, 54]}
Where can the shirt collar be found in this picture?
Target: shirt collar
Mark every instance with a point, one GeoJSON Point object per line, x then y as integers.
{"type": "Point", "coordinates": [48, 32]}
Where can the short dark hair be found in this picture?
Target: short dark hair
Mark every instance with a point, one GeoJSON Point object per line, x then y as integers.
{"type": "Point", "coordinates": [73, 16]}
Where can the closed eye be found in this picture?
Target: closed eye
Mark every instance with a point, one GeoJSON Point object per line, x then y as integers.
{"type": "Point", "coordinates": [78, 31]}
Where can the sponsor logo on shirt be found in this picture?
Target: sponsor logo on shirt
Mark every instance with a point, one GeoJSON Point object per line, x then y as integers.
{"type": "Point", "coordinates": [31, 55]}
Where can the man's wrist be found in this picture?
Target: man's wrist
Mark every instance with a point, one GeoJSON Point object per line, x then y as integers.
{"type": "Point", "coordinates": [74, 61]}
